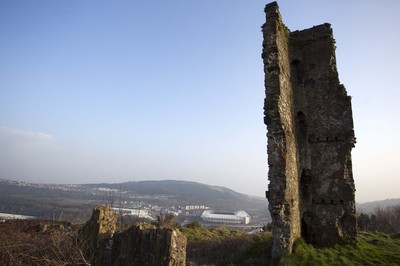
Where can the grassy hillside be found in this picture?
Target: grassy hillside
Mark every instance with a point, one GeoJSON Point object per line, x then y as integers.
{"type": "Point", "coordinates": [233, 248]}
{"type": "Point", "coordinates": [371, 249]}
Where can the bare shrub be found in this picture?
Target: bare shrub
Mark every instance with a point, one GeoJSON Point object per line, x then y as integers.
{"type": "Point", "coordinates": [385, 220]}
{"type": "Point", "coordinates": [225, 249]}
{"type": "Point", "coordinates": [39, 243]}
{"type": "Point", "coordinates": [388, 219]}
{"type": "Point", "coordinates": [165, 220]}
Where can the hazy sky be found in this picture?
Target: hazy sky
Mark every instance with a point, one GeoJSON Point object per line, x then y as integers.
{"type": "Point", "coordinates": [112, 91]}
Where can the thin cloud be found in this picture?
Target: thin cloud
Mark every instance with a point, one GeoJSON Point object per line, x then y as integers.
{"type": "Point", "coordinates": [24, 142]}
{"type": "Point", "coordinates": [40, 157]}
{"type": "Point", "coordinates": [25, 134]}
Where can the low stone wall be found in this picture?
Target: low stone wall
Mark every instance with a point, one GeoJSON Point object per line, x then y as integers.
{"type": "Point", "coordinates": [146, 244]}
{"type": "Point", "coordinates": [142, 244]}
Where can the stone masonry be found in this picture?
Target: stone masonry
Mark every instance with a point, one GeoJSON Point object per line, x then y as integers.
{"type": "Point", "coordinates": [95, 237]}
{"type": "Point", "coordinates": [310, 136]}
{"type": "Point", "coordinates": [146, 244]}
{"type": "Point", "coordinates": [140, 245]}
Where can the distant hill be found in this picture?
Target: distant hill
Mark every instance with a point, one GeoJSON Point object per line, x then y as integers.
{"type": "Point", "coordinates": [74, 202]}
{"type": "Point", "coordinates": [191, 193]}
{"type": "Point", "coordinates": [369, 207]}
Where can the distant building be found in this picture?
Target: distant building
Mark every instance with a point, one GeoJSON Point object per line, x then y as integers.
{"type": "Point", "coordinates": [10, 216]}
{"type": "Point", "coordinates": [196, 207]}
{"type": "Point", "coordinates": [133, 212]}
{"type": "Point", "coordinates": [238, 217]}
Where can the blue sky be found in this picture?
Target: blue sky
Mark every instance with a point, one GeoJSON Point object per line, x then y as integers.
{"type": "Point", "coordinates": [111, 91]}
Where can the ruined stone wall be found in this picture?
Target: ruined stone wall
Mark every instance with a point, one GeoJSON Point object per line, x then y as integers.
{"type": "Point", "coordinates": [310, 136]}
{"type": "Point", "coordinates": [95, 237]}
{"type": "Point", "coordinates": [282, 151]}
{"type": "Point", "coordinates": [146, 244]}
{"type": "Point", "coordinates": [142, 244]}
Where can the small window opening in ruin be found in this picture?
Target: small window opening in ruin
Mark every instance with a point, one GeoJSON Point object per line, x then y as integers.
{"type": "Point", "coordinates": [336, 138]}
{"type": "Point", "coordinates": [322, 201]}
{"type": "Point", "coordinates": [307, 232]}
{"type": "Point", "coordinates": [297, 71]}
{"type": "Point", "coordinates": [332, 201]}
{"type": "Point", "coordinates": [304, 229]}
{"type": "Point", "coordinates": [305, 184]}
{"type": "Point", "coordinates": [327, 138]}
{"type": "Point", "coordinates": [302, 125]}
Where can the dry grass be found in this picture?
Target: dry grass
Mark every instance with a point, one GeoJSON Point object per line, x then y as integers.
{"type": "Point", "coordinates": [220, 246]}
{"type": "Point", "coordinates": [35, 242]}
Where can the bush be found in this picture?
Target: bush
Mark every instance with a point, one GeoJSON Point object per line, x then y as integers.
{"type": "Point", "coordinates": [39, 243]}
{"type": "Point", "coordinates": [165, 220]}
{"type": "Point", "coordinates": [223, 246]}
{"type": "Point", "coordinates": [385, 220]}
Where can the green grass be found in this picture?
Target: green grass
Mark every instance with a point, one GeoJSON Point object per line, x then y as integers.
{"type": "Point", "coordinates": [198, 233]}
{"type": "Point", "coordinates": [370, 249]}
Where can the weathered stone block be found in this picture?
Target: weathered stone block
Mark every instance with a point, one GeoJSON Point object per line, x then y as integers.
{"type": "Point", "coordinates": [96, 234]}
{"type": "Point", "coordinates": [146, 244]}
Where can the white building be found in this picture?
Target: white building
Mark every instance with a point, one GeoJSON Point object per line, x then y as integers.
{"type": "Point", "coordinates": [237, 217]}
{"type": "Point", "coordinates": [10, 216]}
{"type": "Point", "coordinates": [133, 212]}
{"type": "Point", "coordinates": [196, 207]}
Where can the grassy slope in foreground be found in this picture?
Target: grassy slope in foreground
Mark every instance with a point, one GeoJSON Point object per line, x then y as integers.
{"type": "Point", "coordinates": [371, 249]}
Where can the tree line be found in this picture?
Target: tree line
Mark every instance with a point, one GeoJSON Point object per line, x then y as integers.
{"type": "Point", "coordinates": [385, 220]}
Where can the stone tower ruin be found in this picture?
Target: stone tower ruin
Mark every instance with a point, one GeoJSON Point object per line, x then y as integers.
{"type": "Point", "coordinates": [310, 136]}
